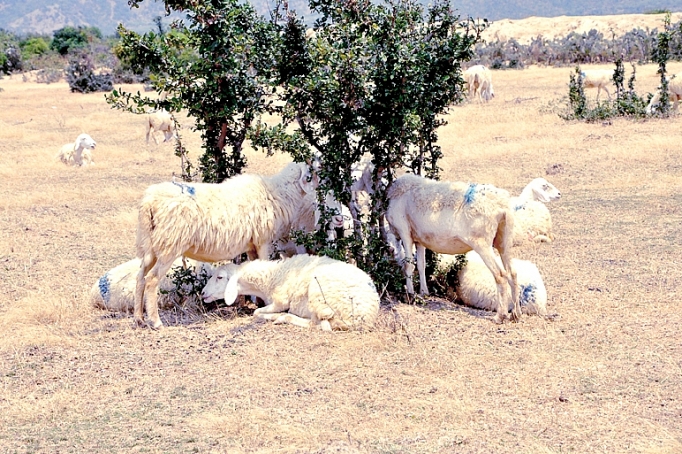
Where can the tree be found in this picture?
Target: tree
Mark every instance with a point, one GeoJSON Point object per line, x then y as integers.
{"type": "Point", "coordinates": [374, 79]}
{"type": "Point", "coordinates": [68, 39]}
{"type": "Point", "coordinates": [219, 66]}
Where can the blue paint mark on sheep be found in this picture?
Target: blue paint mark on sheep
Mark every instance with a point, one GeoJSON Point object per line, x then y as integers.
{"type": "Point", "coordinates": [520, 206]}
{"type": "Point", "coordinates": [470, 193]}
{"type": "Point", "coordinates": [104, 287]}
{"type": "Point", "coordinates": [190, 189]}
{"type": "Point", "coordinates": [527, 295]}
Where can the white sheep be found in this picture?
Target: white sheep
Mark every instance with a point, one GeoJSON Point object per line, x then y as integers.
{"type": "Point", "coordinates": [79, 152]}
{"type": "Point", "coordinates": [213, 222]}
{"type": "Point", "coordinates": [600, 79]}
{"type": "Point", "coordinates": [674, 93]}
{"type": "Point", "coordinates": [316, 291]}
{"type": "Point", "coordinates": [454, 218]}
{"type": "Point", "coordinates": [115, 290]}
{"type": "Point", "coordinates": [479, 81]}
{"type": "Point", "coordinates": [159, 121]}
{"type": "Point", "coordinates": [477, 287]}
{"type": "Point", "coordinates": [532, 219]}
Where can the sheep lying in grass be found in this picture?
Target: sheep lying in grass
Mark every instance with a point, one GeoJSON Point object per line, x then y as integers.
{"type": "Point", "coordinates": [600, 79]}
{"type": "Point", "coordinates": [316, 291]}
{"type": "Point", "coordinates": [532, 220]}
{"type": "Point", "coordinates": [454, 218]}
{"type": "Point", "coordinates": [214, 222]}
{"type": "Point", "coordinates": [78, 153]}
{"type": "Point", "coordinates": [159, 121]}
{"type": "Point", "coordinates": [479, 81]}
{"type": "Point", "coordinates": [115, 290]}
{"type": "Point", "coordinates": [476, 286]}
{"type": "Point", "coordinates": [674, 94]}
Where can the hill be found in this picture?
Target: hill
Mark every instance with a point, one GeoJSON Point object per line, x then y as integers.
{"type": "Point", "coordinates": [45, 16]}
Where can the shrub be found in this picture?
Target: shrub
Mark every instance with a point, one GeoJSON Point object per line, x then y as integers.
{"type": "Point", "coordinates": [81, 76]}
{"type": "Point", "coordinates": [32, 47]}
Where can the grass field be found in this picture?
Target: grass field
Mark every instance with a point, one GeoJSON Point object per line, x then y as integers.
{"type": "Point", "coordinates": [603, 376]}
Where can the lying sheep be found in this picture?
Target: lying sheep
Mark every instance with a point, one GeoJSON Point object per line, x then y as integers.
{"type": "Point", "coordinates": [532, 220]}
{"type": "Point", "coordinates": [454, 218]}
{"type": "Point", "coordinates": [479, 81]}
{"type": "Point", "coordinates": [115, 290]}
{"type": "Point", "coordinates": [600, 79]}
{"type": "Point", "coordinates": [316, 291]}
{"type": "Point", "coordinates": [477, 287]}
{"type": "Point", "coordinates": [78, 153]}
{"type": "Point", "coordinates": [674, 94]}
{"type": "Point", "coordinates": [159, 121]}
{"type": "Point", "coordinates": [213, 222]}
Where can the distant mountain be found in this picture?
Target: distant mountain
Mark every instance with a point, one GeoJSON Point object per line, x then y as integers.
{"type": "Point", "coordinates": [45, 16]}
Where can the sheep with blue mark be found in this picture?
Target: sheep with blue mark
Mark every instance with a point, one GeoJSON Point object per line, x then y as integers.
{"type": "Point", "coordinates": [317, 292]}
{"type": "Point", "coordinates": [533, 221]}
{"type": "Point", "coordinates": [476, 286]}
{"type": "Point", "coordinates": [214, 222]}
{"type": "Point", "coordinates": [115, 290]}
{"type": "Point", "coordinates": [454, 218]}
{"type": "Point", "coordinates": [79, 152]}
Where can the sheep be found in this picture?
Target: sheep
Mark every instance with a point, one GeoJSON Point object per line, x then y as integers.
{"type": "Point", "coordinates": [115, 290]}
{"type": "Point", "coordinates": [532, 219]}
{"type": "Point", "coordinates": [479, 80]}
{"type": "Point", "coordinates": [78, 153]}
{"type": "Point", "coordinates": [477, 287]}
{"type": "Point", "coordinates": [597, 78]}
{"type": "Point", "coordinates": [213, 222]}
{"type": "Point", "coordinates": [674, 94]}
{"type": "Point", "coordinates": [316, 291]}
{"type": "Point", "coordinates": [454, 218]}
{"type": "Point", "coordinates": [160, 120]}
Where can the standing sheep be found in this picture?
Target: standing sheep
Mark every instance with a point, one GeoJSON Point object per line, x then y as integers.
{"type": "Point", "coordinates": [316, 291]}
{"type": "Point", "coordinates": [162, 121]}
{"type": "Point", "coordinates": [532, 220]}
{"type": "Point", "coordinates": [674, 94]}
{"type": "Point", "coordinates": [479, 80]}
{"type": "Point", "coordinates": [213, 222]}
{"type": "Point", "coordinates": [454, 218]}
{"type": "Point", "coordinates": [78, 153]}
{"type": "Point", "coordinates": [477, 287]}
{"type": "Point", "coordinates": [600, 79]}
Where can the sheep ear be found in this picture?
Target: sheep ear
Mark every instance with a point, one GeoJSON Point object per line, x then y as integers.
{"type": "Point", "coordinates": [232, 290]}
{"type": "Point", "coordinates": [309, 180]}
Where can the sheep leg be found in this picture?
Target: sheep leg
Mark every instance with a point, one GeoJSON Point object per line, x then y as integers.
{"type": "Point", "coordinates": [153, 278]}
{"type": "Point", "coordinates": [408, 265]}
{"type": "Point", "coordinates": [500, 276]}
{"type": "Point", "coordinates": [513, 283]}
{"type": "Point", "coordinates": [292, 319]}
{"type": "Point", "coordinates": [138, 313]}
{"type": "Point", "coordinates": [421, 266]}
{"type": "Point", "coordinates": [607, 93]}
{"type": "Point", "coordinates": [274, 308]}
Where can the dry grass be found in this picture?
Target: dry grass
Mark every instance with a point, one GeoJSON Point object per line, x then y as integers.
{"type": "Point", "coordinates": [604, 376]}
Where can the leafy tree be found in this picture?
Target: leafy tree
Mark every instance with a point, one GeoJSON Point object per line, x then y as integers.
{"type": "Point", "coordinates": [219, 66]}
{"type": "Point", "coordinates": [69, 38]}
{"type": "Point", "coordinates": [34, 46]}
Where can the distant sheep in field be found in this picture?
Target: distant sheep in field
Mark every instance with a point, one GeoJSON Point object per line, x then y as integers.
{"type": "Point", "coordinates": [674, 93]}
{"type": "Point", "coordinates": [214, 222]}
{"type": "Point", "coordinates": [532, 220]}
{"type": "Point", "coordinates": [477, 287]}
{"type": "Point", "coordinates": [454, 218]}
{"type": "Point", "coordinates": [78, 153]}
{"type": "Point", "coordinates": [159, 121]}
{"type": "Point", "coordinates": [600, 79]}
{"type": "Point", "coordinates": [479, 81]}
{"type": "Point", "coordinates": [115, 290]}
{"type": "Point", "coordinates": [316, 291]}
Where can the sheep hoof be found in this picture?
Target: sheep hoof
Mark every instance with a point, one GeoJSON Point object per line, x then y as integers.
{"type": "Point", "coordinates": [139, 323]}
{"type": "Point", "coordinates": [515, 316]}
{"type": "Point", "coordinates": [499, 319]}
{"type": "Point", "coordinates": [156, 325]}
